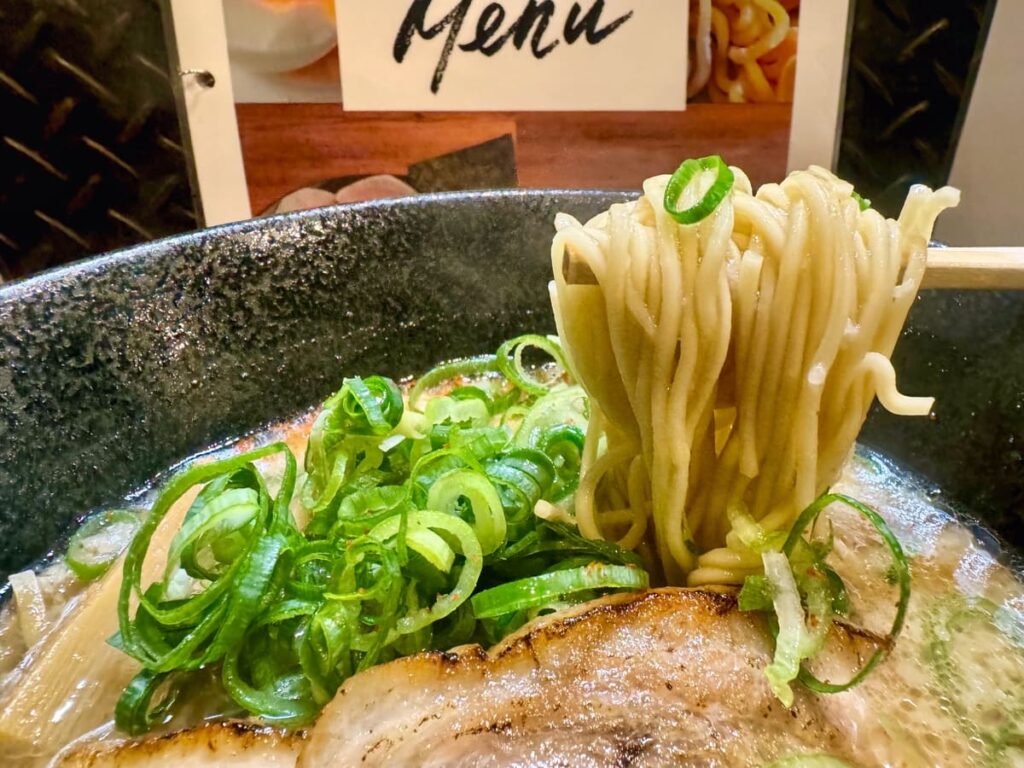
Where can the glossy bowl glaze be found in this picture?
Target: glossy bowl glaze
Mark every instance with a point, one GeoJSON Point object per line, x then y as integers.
{"type": "Point", "coordinates": [115, 368]}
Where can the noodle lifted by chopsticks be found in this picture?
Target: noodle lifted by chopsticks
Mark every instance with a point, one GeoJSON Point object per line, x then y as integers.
{"type": "Point", "coordinates": [731, 363]}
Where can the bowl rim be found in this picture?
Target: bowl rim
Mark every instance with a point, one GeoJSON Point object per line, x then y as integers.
{"type": "Point", "coordinates": [94, 264]}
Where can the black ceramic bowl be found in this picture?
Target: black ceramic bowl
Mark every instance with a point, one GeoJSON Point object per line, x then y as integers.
{"type": "Point", "coordinates": [116, 368]}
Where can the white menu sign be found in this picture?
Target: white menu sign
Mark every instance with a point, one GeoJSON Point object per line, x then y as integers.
{"type": "Point", "coordinates": [430, 55]}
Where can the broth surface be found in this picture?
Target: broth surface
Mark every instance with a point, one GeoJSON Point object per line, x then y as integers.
{"type": "Point", "coordinates": [951, 693]}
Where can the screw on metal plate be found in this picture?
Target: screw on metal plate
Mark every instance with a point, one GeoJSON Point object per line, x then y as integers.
{"type": "Point", "coordinates": [204, 77]}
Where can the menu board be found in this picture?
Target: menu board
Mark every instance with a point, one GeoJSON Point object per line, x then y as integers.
{"type": "Point", "coordinates": [405, 96]}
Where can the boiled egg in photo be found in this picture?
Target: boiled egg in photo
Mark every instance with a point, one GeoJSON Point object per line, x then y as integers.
{"type": "Point", "coordinates": [279, 35]}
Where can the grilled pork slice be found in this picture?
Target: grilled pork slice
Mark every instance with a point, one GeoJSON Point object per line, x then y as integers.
{"type": "Point", "coordinates": [668, 677]}
{"type": "Point", "coordinates": [232, 744]}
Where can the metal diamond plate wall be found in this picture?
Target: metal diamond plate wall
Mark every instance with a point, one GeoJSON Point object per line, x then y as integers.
{"type": "Point", "coordinates": [91, 152]}
{"type": "Point", "coordinates": [911, 67]}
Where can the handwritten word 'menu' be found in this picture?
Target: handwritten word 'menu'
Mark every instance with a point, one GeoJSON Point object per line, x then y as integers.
{"type": "Point", "coordinates": [494, 29]}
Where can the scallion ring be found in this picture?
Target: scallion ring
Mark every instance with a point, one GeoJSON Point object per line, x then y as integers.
{"type": "Point", "coordinates": [245, 599]}
{"type": "Point", "coordinates": [510, 361]}
{"type": "Point", "coordinates": [900, 571]}
{"type": "Point", "coordinates": [542, 589]}
{"type": "Point", "coordinates": [271, 704]}
{"type": "Point", "coordinates": [468, 576]}
{"type": "Point", "coordinates": [371, 406]}
{"type": "Point", "coordinates": [98, 543]}
{"type": "Point", "coordinates": [716, 193]}
{"type": "Point", "coordinates": [135, 712]}
{"type": "Point", "coordinates": [470, 366]}
{"type": "Point", "coordinates": [482, 500]}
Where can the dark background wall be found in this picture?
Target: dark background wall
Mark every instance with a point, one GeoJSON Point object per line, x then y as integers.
{"type": "Point", "coordinates": [91, 153]}
{"type": "Point", "coordinates": [912, 65]}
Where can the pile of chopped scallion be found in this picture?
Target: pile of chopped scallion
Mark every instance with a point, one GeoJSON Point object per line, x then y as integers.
{"type": "Point", "coordinates": [421, 534]}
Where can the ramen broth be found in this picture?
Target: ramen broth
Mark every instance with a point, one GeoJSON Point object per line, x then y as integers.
{"type": "Point", "coordinates": [951, 692]}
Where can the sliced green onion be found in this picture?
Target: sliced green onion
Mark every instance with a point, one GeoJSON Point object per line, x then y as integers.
{"type": "Point", "coordinates": [863, 202]}
{"type": "Point", "coordinates": [363, 509]}
{"type": "Point", "coordinates": [329, 634]}
{"type": "Point", "coordinates": [345, 438]}
{"type": "Point", "coordinates": [528, 471]}
{"type": "Point", "coordinates": [563, 444]}
{"type": "Point", "coordinates": [369, 572]}
{"type": "Point", "coordinates": [285, 610]}
{"type": "Point", "coordinates": [372, 406]}
{"type": "Point", "coordinates": [547, 587]}
{"type": "Point", "coordinates": [562, 405]}
{"type": "Point", "coordinates": [281, 518]}
{"type": "Point", "coordinates": [354, 462]}
{"type": "Point", "coordinates": [562, 440]}
{"type": "Point", "coordinates": [215, 533]}
{"type": "Point", "coordinates": [325, 478]}
{"type": "Point", "coordinates": [469, 548]}
{"type": "Point", "coordinates": [444, 414]}
{"type": "Point", "coordinates": [790, 643]}
{"type": "Point", "coordinates": [469, 412]}
{"type": "Point", "coordinates": [798, 575]}
{"type": "Point", "coordinates": [716, 193]}
{"type": "Point", "coordinates": [510, 361]}
{"type": "Point", "coordinates": [470, 366]}
{"type": "Point", "coordinates": [431, 547]}
{"type": "Point", "coordinates": [434, 465]}
{"type": "Point", "coordinates": [472, 393]}
{"type": "Point", "coordinates": [135, 712]}
{"type": "Point", "coordinates": [488, 516]}
{"type": "Point", "coordinates": [505, 404]}
{"type": "Point", "coordinates": [558, 542]}
{"type": "Point", "coordinates": [246, 598]}
{"type": "Point", "coordinates": [756, 594]}
{"type": "Point", "coordinates": [312, 566]}
{"type": "Point", "coordinates": [99, 542]}
{"type": "Point", "coordinates": [752, 534]}
{"type": "Point", "coordinates": [274, 704]}
{"type": "Point", "coordinates": [480, 442]}
{"type": "Point", "coordinates": [900, 570]}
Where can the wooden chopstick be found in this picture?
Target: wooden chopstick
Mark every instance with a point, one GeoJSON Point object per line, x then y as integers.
{"type": "Point", "coordinates": [975, 268]}
{"type": "Point", "coordinates": [963, 268]}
